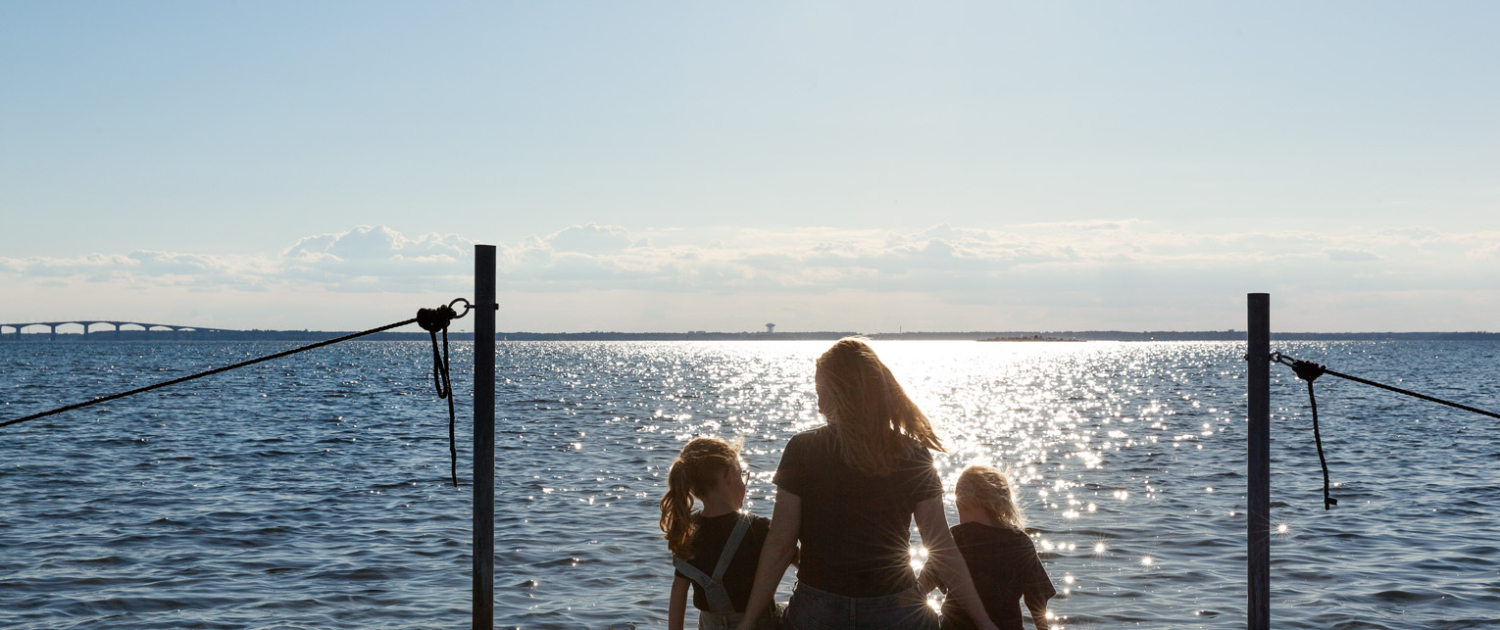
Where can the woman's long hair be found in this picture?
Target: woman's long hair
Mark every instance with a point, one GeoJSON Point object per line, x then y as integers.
{"type": "Point", "coordinates": [870, 414]}
{"type": "Point", "coordinates": [990, 491]}
{"type": "Point", "coordinates": [697, 469]}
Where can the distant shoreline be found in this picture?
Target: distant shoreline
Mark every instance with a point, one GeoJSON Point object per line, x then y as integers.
{"type": "Point", "coordinates": [1086, 335]}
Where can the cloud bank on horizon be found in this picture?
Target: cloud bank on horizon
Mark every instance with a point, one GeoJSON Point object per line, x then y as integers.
{"type": "Point", "coordinates": [1125, 274]}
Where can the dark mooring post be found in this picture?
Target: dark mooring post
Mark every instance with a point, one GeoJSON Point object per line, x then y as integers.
{"type": "Point", "coordinates": [484, 437]}
{"type": "Point", "coordinates": [1258, 462]}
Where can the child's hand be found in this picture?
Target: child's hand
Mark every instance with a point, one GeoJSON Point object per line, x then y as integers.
{"type": "Point", "coordinates": [928, 580]}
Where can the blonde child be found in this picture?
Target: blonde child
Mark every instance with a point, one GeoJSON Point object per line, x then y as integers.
{"type": "Point", "coordinates": [717, 548]}
{"type": "Point", "coordinates": [991, 535]}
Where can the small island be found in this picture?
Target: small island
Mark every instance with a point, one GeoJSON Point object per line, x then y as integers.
{"type": "Point", "coordinates": [1031, 338]}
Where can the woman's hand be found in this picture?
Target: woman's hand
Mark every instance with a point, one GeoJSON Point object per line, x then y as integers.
{"type": "Point", "coordinates": [944, 558]}
{"type": "Point", "coordinates": [777, 552]}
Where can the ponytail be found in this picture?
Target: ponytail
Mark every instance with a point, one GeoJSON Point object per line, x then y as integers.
{"type": "Point", "coordinates": [677, 511]}
{"type": "Point", "coordinates": [695, 471]}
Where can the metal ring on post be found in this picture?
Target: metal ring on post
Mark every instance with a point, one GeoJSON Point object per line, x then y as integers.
{"type": "Point", "coordinates": [467, 307]}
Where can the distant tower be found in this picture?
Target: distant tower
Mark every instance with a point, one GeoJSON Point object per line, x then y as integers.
{"type": "Point", "coordinates": [770, 328]}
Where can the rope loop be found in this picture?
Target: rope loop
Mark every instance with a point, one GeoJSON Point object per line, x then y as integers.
{"type": "Point", "coordinates": [435, 320]}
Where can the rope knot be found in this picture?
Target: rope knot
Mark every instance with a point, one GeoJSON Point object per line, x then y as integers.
{"type": "Point", "coordinates": [435, 319]}
{"type": "Point", "coordinates": [1307, 370]}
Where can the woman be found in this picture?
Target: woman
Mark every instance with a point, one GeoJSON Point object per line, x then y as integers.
{"type": "Point", "coordinates": [848, 492]}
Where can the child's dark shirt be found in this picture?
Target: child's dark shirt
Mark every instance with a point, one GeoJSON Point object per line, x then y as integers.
{"type": "Point", "coordinates": [1004, 566]}
{"type": "Point", "coordinates": [708, 541]}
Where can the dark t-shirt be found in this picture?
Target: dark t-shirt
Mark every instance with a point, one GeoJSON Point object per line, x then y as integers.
{"type": "Point", "coordinates": [856, 529]}
{"type": "Point", "coordinates": [708, 542]}
{"type": "Point", "coordinates": [1004, 566]}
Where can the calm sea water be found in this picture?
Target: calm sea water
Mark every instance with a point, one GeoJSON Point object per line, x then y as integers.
{"type": "Point", "coordinates": [313, 492]}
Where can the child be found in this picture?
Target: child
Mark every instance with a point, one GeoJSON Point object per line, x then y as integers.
{"type": "Point", "coordinates": [716, 549]}
{"type": "Point", "coordinates": [991, 535]}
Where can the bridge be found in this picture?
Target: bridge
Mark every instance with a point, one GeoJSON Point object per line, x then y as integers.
{"type": "Point", "coordinates": [15, 332]}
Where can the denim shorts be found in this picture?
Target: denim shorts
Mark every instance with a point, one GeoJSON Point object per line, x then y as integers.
{"type": "Point", "coordinates": [813, 609]}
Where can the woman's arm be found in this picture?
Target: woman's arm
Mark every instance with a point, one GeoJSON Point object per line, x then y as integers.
{"type": "Point", "coordinates": [677, 610]}
{"type": "Point", "coordinates": [779, 549]}
{"type": "Point", "coordinates": [943, 557]}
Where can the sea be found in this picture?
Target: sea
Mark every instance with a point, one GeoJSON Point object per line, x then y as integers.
{"type": "Point", "coordinates": [314, 491]}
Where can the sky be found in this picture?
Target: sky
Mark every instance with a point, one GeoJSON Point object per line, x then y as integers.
{"type": "Point", "coordinates": [668, 166]}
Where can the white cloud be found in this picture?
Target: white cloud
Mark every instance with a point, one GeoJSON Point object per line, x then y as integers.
{"type": "Point", "coordinates": [1094, 274]}
{"type": "Point", "coordinates": [590, 239]}
{"type": "Point", "coordinates": [1350, 255]}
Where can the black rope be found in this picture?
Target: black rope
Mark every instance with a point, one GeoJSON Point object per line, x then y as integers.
{"type": "Point", "coordinates": [1309, 371]}
{"type": "Point", "coordinates": [212, 372]}
{"type": "Point", "coordinates": [1310, 375]}
{"type": "Point", "coordinates": [1286, 360]}
{"type": "Point", "coordinates": [434, 320]}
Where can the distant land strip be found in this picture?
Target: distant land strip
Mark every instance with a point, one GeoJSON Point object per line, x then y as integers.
{"type": "Point", "coordinates": [1017, 336]}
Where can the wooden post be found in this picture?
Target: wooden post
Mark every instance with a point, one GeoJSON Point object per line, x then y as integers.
{"type": "Point", "coordinates": [1258, 462]}
{"type": "Point", "coordinates": [484, 437]}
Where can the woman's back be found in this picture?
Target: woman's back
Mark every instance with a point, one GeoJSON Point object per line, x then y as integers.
{"type": "Point", "coordinates": [855, 529]}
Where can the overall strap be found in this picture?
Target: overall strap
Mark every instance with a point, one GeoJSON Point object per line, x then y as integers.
{"type": "Point", "coordinates": [732, 545]}
{"type": "Point", "coordinates": [693, 573]}
{"type": "Point", "coordinates": [713, 585]}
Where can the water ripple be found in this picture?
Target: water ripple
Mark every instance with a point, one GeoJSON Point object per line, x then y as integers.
{"type": "Point", "coordinates": [312, 492]}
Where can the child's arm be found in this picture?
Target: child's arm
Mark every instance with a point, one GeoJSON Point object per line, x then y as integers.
{"type": "Point", "coordinates": [1038, 590]}
{"type": "Point", "coordinates": [677, 609]}
{"type": "Point", "coordinates": [1038, 612]}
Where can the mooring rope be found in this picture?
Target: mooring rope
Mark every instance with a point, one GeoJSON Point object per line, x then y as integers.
{"type": "Point", "coordinates": [432, 320]}
{"type": "Point", "coordinates": [1309, 371]}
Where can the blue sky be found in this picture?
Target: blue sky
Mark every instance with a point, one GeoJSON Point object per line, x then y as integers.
{"type": "Point", "coordinates": [674, 166]}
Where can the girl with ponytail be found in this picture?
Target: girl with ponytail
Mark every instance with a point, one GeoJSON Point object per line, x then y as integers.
{"type": "Point", "coordinates": [717, 548]}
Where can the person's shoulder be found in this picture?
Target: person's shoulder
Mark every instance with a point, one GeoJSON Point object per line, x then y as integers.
{"type": "Point", "coordinates": [967, 529]}
{"type": "Point", "coordinates": [811, 438]}
{"type": "Point", "coordinates": [815, 434]}
{"type": "Point", "coordinates": [914, 449]}
{"type": "Point", "coordinates": [976, 531]}
{"type": "Point", "coordinates": [758, 522]}
{"type": "Point", "coordinates": [1015, 539]}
